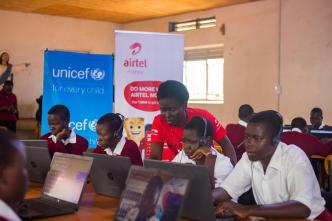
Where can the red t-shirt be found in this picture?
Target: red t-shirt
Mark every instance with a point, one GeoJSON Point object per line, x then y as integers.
{"type": "Point", "coordinates": [7, 100]}
{"type": "Point", "coordinates": [162, 131]}
{"type": "Point", "coordinates": [130, 149]}
{"type": "Point", "coordinates": [77, 148]}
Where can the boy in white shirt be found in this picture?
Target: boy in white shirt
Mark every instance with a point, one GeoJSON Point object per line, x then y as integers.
{"type": "Point", "coordinates": [282, 179]}
{"type": "Point", "coordinates": [197, 149]}
{"type": "Point", "coordinates": [13, 175]}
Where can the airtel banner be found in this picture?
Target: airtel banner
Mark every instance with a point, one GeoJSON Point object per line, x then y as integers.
{"type": "Point", "coordinates": [142, 61]}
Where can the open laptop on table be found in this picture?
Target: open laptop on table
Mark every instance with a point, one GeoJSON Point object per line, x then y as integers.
{"type": "Point", "coordinates": [35, 143]}
{"type": "Point", "coordinates": [62, 189]}
{"type": "Point", "coordinates": [198, 204]}
{"type": "Point", "coordinates": [109, 173]}
{"type": "Point", "coordinates": [38, 163]}
{"type": "Point", "coordinates": [152, 194]}
{"type": "Point", "coordinates": [320, 134]}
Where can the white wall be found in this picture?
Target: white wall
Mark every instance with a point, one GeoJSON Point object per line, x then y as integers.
{"type": "Point", "coordinates": [252, 54]}
{"type": "Point", "coordinates": [25, 36]}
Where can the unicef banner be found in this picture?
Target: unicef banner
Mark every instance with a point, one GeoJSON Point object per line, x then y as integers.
{"type": "Point", "coordinates": [142, 61]}
{"type": "Point", "coordinates": [82, 82]}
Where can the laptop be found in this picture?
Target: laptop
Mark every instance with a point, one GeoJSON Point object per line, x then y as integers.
{"type": "Point", "coordinates": [109, 173]}
{"type": "Point", "coordinates": [152, 194]}
{"type": "Point", "coordinates": [62, 189]}
{"type": "Point", "coordinates": [35, 143]}
{"type": "Point", "coordinates": [320, 134]}
{"type": "Point", "coordinates": [198, 204]}
{"type": "Point", "coordinates": [38, 163]}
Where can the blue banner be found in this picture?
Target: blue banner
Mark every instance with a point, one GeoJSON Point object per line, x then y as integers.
{"type": "Point", "coordinates": [83, 83]}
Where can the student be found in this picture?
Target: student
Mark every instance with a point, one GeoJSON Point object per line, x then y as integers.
{"type": "Point", "coordinates": [300, 137]}
{"type": "Point", "coordinates": [281, 176]}
{"type": "Point", "coordinates": [8, 107]}
{"type": "Point", "coordinates": [174, 114]}
{"type": "Point", "coordinates": [13, 175]}
{"type": "Point", "coordinates": [111, 142]}
{"type": "Point", "coordinates": [316, 120]}
{"type": "Point", "coordinates": [197, 149]}
{"type": "Point", "coordinates": [62, 138]}
{"type": "Point", "coordinates": [235, 132]}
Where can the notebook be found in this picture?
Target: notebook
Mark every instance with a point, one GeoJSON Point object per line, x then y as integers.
{"type": "Point", "coordinates": [62, 189]}
{"type": "Point", "coordinates": [152, 194]}
{"type": "Point", "coordinates": [109, 173]}
{"type": "Point", "coordinates": [38, 163]}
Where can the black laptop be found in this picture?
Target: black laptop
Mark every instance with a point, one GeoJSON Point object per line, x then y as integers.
{"type": "Point", "coordinates": [62, 189]}
{"type": "Point", "coordinates": [35, 143]}
{"type": "Point", "coordinates": [109, 173]}
{"type": "Point", "coordinates": [198, 203]}
{"type": "Point", "coordinates": [38, 163]}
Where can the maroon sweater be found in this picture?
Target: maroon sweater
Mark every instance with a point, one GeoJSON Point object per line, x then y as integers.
{"type": "Point", "coordinates": [77, 148]}
{"type": "Point", "coordinates": [130, 149]}
{"type": "Point", "coordinates": [307, 142]}
{"type": "Point", "coordinates": [235, 133]}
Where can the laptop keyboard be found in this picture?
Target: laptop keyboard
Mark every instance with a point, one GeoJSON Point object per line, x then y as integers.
{"type": "Point", "coordinates": [38, 207]}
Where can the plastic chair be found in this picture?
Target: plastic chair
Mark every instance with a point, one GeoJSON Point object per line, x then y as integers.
{"type": "Point", "coordinates": [328, 170]}
{"type": "Point", "coordinates": [317, 163]}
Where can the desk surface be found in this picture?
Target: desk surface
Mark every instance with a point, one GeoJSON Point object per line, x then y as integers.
{"type": "Point", "coordinates": [95, 207]}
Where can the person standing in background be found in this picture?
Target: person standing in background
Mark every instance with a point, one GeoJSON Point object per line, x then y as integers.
{"type": "Point", "coordinates": [8, 107]}
{"type": "Point", "coordinates": [7, 69]}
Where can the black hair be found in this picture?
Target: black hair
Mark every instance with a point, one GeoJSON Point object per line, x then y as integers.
{"type": "Point", "coordinates": [60, 110]}
{"type": "Point", "coordinates": [316, 110]}
{"type": "Point", "coordinates": [113, 121]}
{"type": "Point", "coordinates": [271, 119]}
{"type": "Point", "coordinates": [173, 89]}
{"type": "Point", "coordinates": [245, 112]}
{"type": "Point", "coordinates": [8, 82]}
{"type": "Point", "coordinates": [1, 57]}
{"type": "Point", "coordinates": [198, 124]}
{"type": "Point", "coordinates": [299, 122]}
{"type": "Point", "coordinates": [7, 148]}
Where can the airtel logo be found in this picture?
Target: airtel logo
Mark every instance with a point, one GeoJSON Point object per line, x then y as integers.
{"type": "Point", "coordinates": [135, 48]}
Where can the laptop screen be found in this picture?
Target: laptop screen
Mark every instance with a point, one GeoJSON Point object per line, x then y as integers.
{"type": "Point", "coordinates": [152, 194]}
{"type": "Point", "coordinates": [67, 176]}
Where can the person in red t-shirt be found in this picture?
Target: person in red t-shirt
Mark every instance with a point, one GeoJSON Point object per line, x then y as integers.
{"type": "Point", "coordinates": [62, 138]}
{"type": "Point", "coordinates": [174, 114]}
{"type": "Point", "coordinates": [8, 107]}
{"type": "Point", "coordinates": [111, 142]}
{"type": "Point", "coordinates": [13, 175]}
{"type": "Point", "coordinates": [235, 132]}
{"type": "Point", "coordinates": [301, 138]}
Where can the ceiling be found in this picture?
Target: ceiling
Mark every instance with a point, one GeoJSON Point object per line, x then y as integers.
{"type": "Point", "coordinates": [118, 11]}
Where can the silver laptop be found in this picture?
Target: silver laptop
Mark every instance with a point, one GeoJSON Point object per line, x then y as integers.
{"type": "Point", "coordinates": [62, 189]}
{"type": "Point", "coordinates": [35, 143]}
{"type": "Point", "coordinates": [38, 163]}
{"type": "Point", "coordinates": [109, 173]}
{"type": "Point", "coordinates": [198, 204]}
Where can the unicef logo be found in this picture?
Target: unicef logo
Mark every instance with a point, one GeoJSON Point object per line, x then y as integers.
{"type": "Point", "coordinates": [97, 74]}
{"type": "Point", "coordinates": [92, 125]}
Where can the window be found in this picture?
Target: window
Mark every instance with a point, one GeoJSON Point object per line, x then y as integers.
{"type": "Point", "coordinates": [203, 75]}
{"type": "Point", "coordinates": [192, 24]}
